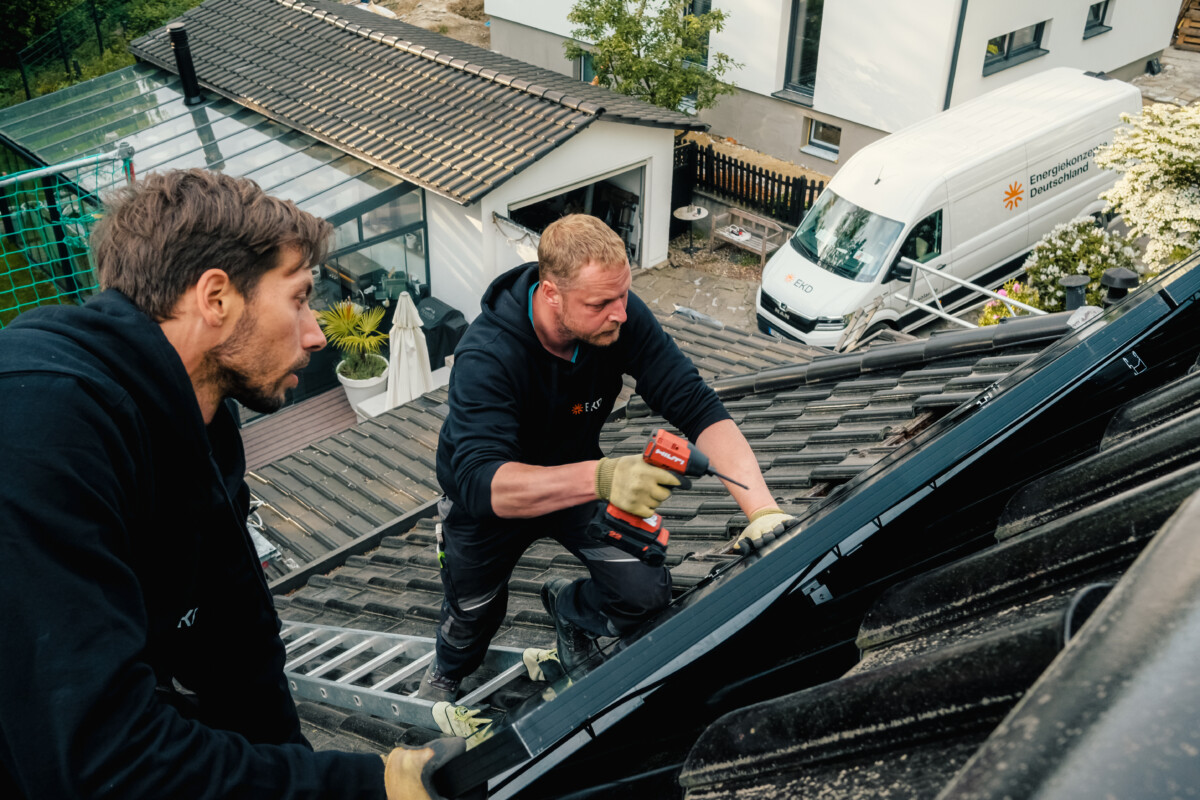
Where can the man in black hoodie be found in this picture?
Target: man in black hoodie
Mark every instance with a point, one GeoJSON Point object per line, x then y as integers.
{"type": "Point", "coordinates": [126, 572]}
{"type": "Point", "coordinates": [534, 378]}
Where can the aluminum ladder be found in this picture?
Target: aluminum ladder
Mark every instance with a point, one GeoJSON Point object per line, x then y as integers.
{"type": "Point", "coordinates": [356, 670]}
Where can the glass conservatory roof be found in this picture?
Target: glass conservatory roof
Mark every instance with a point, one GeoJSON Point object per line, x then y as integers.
{"type": "Point", "coordinates": [143, 107]}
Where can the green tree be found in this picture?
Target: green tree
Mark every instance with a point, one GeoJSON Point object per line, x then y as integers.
{"type": "Point", "coordinates": [655, 50]}
{"type": "Point", "coordinates": [24, 22]}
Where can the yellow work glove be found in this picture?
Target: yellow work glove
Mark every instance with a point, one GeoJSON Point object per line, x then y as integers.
{"type": "Point", "coordinates": [461, 721]}
{"type": "Point", "coordinates": [765, 525]}
{"type": "Point", "coordinates": [408, 771]}
{"type": "Point", "coordinates": [632, 485]}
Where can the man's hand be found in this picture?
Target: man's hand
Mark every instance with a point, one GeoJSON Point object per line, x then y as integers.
{"type": "Point", "coordinates": [632, 485]}
{"type": "Point", "coordinates": [408, 772]}
{"type": "Point", "coordinates": [765, 525]}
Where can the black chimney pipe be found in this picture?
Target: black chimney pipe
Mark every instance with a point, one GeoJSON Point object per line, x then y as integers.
{"type": "Point", "coordinates": [1075, 287]}
{"type": "Point", "coordinates": [183, 61]}
{"type": "Point", "coordinates": [1118, 281]}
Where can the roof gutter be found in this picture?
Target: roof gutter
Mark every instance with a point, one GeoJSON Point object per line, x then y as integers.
{"type": "Point", "coordinates": [962, 19]}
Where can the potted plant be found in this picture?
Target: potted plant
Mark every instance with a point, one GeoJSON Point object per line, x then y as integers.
{"type": "Point", "coordinates": [355, 332]}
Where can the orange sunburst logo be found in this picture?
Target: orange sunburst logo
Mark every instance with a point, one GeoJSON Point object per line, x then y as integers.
{"type": "Point", "coordinates": [577, 408]}
{"type": "Point", "coordinates": [1014, 195]}
{"type": "Point", "coordinates": [788, 278]}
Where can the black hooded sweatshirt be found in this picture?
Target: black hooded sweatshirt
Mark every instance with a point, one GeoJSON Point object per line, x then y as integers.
{"type": "Point", "coordinates": [124, 564]}
{"type": "Point", "coordinates": [512, 400]}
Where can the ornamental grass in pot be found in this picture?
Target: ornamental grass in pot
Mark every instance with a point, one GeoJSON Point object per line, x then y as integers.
{"type": "Point", "coordinates": [355, 332]}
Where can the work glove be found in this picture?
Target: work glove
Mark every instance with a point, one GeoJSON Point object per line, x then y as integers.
{"type": "Point", "coordinates": [765, 525]}
{"type": "Point", "coordinates": [461, 721]}
{"type": "Point", "coordinates": [632, 485]}
{"type": "Point", "coordinates": [408, 771]}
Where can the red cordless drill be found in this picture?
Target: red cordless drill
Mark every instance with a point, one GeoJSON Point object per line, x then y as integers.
{"type": "Point", "coordinates": [647, 538]}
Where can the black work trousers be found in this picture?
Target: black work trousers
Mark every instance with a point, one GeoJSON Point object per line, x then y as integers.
{"type": "Point", "coordinates": [620, 593]}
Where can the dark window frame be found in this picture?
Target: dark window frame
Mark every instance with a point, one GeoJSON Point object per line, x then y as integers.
{"type": "Point", "coordinates": [1010, 56]}
{"type": "Point", "coordinates": [799, 24]}
{"type": "Point", "coordinates": [1098, 26]}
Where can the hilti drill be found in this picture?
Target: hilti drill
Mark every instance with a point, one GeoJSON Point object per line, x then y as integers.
{"type": "Point", "coordinates": [647, 538]}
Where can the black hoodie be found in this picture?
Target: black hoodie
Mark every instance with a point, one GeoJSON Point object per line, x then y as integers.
{"type": "Point", "coordinates": [124, 564]}
{"type": "Point", "coordinates": [512, 400]}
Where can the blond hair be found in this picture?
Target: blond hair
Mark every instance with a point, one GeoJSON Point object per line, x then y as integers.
{"type": "Point", "coordinates": [574, 241]}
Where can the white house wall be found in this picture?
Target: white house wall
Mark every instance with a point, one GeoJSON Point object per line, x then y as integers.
{"type": "Point", "coordinates": [891, 72]}
{"type": "Point", "coordinates": [1140, 29]}
{"type": "Point", "coordinates": [548, 15]}
{"type": "Point", "coordinates": [534, 46]}
{"type": "Point", "coordinates": [604, 148]}
{"type": "Point", "coordinates": [755, 36]}
{"type": "Point", "coordinates": [467, 251]}
{"type": "Point", "coordinates": [457, 272]}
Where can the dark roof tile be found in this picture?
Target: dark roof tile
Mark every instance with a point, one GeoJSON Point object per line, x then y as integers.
{"type": "Point", "coordinates": [303, 63]}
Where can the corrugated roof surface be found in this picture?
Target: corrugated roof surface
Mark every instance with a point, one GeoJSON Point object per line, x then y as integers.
{"type": "Point", "coordinates": [948, 653]}
{"type": "Point", "coordinates": [365, 480]}
{"type": "Point", "coordinates": [449, 116]}
{"type": "Point", "coordinates": [819, 423]}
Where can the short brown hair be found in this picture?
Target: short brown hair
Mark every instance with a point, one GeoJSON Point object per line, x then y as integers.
{"type": "Point", "coordinates": [159, 235]}
{"type": "Point", "coordinates": [570, 243]}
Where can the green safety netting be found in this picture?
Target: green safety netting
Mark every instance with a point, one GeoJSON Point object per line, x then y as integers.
{"type": "Point", "coordinates": [46, 216]}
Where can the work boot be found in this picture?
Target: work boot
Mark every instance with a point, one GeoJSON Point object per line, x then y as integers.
{"type": "Point", "coordinates": [436, 687]}
{"type": "Point", "coordinates": [575, 646]}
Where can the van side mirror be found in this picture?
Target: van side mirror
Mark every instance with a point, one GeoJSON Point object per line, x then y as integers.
{"type": "Point", "coordinates": [902, 269]}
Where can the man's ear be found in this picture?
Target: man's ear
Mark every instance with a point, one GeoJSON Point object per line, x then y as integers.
{"type": "Point", "coordinates": [216, 298]}
{"type": "Point", "coordinates": [551, 293]}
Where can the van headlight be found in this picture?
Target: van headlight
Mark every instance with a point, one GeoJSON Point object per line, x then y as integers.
{"type": "Point", "coordinates": [832, 323]}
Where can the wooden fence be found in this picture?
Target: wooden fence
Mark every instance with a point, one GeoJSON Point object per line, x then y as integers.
{"type": "Point", "coordinates": [784, 198]}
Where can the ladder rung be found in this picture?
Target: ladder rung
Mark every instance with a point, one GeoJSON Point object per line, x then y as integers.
{"type": "Point", "coordinates": [485, 691]}
{"type": "Point", "coordinates": [417, 651]}
{"type": "Point", "coordinates": [382, 658]}
{"type": "Point", "coordinates": [401, 674]}
{"type": "Point", "coordinates": [305, 639]}
{"type": "Point", "coordinates": [343, 658]}
{"type": "Point", "coordinates": [316, 651]}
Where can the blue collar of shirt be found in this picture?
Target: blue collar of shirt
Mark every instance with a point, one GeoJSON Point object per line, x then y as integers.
{"type": "Point", "coordinates": [532, 289]}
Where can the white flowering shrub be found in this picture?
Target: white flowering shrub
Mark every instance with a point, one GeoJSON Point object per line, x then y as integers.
{"type": "Point", "coordinates": [1076, 248]}
{"type": "Point", "coordinates": [1158, 192]}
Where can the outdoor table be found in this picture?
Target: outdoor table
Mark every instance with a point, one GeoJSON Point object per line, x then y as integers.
{"type": "Point", "coordinates": [690, 214]}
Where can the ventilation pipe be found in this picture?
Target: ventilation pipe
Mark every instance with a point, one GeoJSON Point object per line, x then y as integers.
{"type": "Point", "coordinates": [183, 61]}
{"type": "Point", "coordinates": [1118, 281]}
{"type": "Point", "coordinates": [1075, 288]}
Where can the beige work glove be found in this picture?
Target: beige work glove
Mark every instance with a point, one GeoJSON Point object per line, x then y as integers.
{"type": "Point", "coordinates": [765, 525]}
{"type": "Point", "coordinates": [461, 721]}
{"type": "Point", "coordinates": [408, 771]}
{"type": "Point", "coordinates": [632, 485]}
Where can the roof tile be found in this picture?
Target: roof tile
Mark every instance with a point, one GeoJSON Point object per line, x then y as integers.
{"type": "Point", "coordinates": [303, 63]}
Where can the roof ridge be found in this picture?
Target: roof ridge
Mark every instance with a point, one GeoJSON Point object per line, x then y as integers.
{"type": "Point", "coordinates": [486, 73]}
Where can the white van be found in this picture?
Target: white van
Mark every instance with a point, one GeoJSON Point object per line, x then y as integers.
{"type": "Point", "coordinates": [969, 191]}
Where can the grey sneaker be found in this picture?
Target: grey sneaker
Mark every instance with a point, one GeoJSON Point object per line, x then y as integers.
{"type": "Point", "coordinates": [436, 687]}
{"type": "Point", "coordinates": [575, 646]}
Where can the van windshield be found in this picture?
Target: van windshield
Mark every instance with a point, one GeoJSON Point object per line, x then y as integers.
{"type": "Point", "coordinates": [844, 239]}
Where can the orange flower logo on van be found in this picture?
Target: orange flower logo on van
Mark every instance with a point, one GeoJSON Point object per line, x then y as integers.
{"type": "Point", "coordinates": [1014, 195]}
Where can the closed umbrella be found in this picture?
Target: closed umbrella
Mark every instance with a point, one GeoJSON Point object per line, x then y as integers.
{"type": "Point", "coordinates": [408, 371]}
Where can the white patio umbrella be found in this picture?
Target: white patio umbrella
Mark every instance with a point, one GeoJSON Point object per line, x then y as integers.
{"type": "Point", "coordinates": [408, 370]}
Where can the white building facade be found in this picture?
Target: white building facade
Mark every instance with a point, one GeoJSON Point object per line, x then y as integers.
{"type": "Point", "coordinates": [819, 80]}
